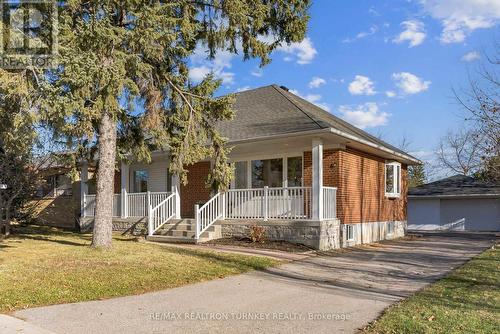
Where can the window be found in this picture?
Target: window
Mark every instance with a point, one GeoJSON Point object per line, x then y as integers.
{"type": "Point", "coordinates": [63, 185]}
{"type": "Point", "coordinates": [349, 232]}
{"type": "Point", "coordinates": [267, 173]}
{"type": "Point", "coordinates": [390, 228]}
{"type": "Point", "coordinates": [240, 175]}
{"type": "Point", "coordinates": [392, 179]}
{"type": "Point", "coordinates": [141, 181]}
{"type": "Point", "coordinates": [294, 173]}
{"type": "Point", "coordinates": [55, 186]}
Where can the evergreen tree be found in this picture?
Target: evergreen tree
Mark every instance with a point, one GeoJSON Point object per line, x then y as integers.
{"type": "Point", "coordinates": [416, 176]}
{"type": "Point", "coordinates": [123, 68]}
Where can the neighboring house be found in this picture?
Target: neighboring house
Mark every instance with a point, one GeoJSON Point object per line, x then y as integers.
{"type": "Point", "coordinates": [302, 173]}
{"type": "Point", "coordinates": [456, 203]}
{"type": "Point", "coordinates": [57, 198]}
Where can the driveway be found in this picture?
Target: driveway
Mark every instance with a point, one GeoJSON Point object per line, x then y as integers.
{"type": "Point", "coordinates": [330, 293]}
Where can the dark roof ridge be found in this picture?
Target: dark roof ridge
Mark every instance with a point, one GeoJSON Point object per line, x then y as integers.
{"type": "Point", "coordinates": [295, 104]}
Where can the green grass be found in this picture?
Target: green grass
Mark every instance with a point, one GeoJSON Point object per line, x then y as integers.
{"type": "Point", "coordinates": [43, 266]}
{"type": "Point", "coordinates": [465, 301]}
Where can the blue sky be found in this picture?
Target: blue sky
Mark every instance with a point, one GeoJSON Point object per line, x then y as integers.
{"type": "Point", "coordinates": [386, 66]}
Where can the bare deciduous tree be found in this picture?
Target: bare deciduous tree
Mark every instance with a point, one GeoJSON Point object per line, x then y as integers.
{"type": "Point", "coordinates": [482, 103]}
{"type": "Point", "coordinates": [460, 152]}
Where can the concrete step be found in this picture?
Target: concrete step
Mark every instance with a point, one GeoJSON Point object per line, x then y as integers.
{"type": "Point", "coordinates": [169, 239]}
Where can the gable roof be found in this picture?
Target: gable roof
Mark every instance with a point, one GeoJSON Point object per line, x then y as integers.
{"type": "Point", "coordinates": [273, 110]}
{"type": "Point", "coordinates": [457, 185]}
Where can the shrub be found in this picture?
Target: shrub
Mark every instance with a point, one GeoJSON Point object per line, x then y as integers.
{"type": "Point", "coordinates": [257, 233]}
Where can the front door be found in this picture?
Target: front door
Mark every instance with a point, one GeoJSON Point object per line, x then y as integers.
{"type": "Point", "coordinates": [196, 191]}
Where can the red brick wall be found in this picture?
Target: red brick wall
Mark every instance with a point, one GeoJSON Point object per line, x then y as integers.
{"type": "Point", "coordinates": [195, 190]}
{"type": "Point", "coordinates": [360, 180]}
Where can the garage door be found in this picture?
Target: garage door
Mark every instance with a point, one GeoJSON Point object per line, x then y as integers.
{"type": "Point", "coordinates": [471, 214]}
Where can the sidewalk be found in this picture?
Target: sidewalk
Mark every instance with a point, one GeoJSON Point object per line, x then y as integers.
{"type": "Point", "coordinates": [11, 325]}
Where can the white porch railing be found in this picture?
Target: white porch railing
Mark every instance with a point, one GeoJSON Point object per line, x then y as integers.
{"type": "Point", "coordinates": [209, 213]}
{"type": "Point", "coordinates": [135, 204]}
{"type": "Point", "coordinates": [329, 202]}
{"type": "Point", "coordinates": [89, 205]}
{"type": "Point", "coordinates": [293, 203]}
{"type": "Point", "coordinates": [161, 213]}
{"type": "Point", "coordinates": [269, 203]}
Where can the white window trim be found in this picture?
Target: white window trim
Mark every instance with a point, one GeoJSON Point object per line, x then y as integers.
{"type": "Point", "coordinates": [352, 230]}
{"type": "Point", "coordinates": [395, 177]}
{"type": "Point", "coordinates": [389, 231]}
{"type": "Point", "coordinates": [284, 157]}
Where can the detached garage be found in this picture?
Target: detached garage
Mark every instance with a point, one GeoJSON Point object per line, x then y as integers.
{"type": "Point", "coordinates": [457, 203]}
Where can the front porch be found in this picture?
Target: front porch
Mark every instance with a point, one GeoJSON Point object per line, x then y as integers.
{"type": "Point", "coordinates": [284, 186]}
{"type": "Point", "coordinates": [260, 204]}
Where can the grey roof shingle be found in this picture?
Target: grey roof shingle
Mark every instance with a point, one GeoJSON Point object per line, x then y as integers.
{"type": "Point", "coordinates": [272, 110]}
{"type": "Point", "coordinates": [458, 185]}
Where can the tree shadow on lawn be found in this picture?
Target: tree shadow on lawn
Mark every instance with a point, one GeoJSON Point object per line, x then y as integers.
{"type": "Point", "coordinates": [236, 261]}
{"type": "Point", "coordinates": [50, 234]}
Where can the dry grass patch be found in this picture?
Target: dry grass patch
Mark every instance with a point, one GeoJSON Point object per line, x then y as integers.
{"type": "Point", "coordinates": [42, 266]}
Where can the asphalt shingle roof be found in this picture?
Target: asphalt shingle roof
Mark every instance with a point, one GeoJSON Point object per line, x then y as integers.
{"type": "Point", "coordinates": [458, 185]}
{"type": "Point", "coordinates": [273, 110]}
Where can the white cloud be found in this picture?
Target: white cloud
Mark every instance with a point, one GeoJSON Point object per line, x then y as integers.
{"type": "Point", "coordinates": [303, 52]}
{"type": "Point", "coordinates": [313, 98]}
{"type": "Point", "coordinates": [413, 32]}
{"type": "Point", "coordinates": [242, 89]}
{"type": "Point", "coordinates": [199, 73]}
{"type": "Point", "coordinates": [471, 56]}
{"type": "Point", "coordinates": [409, 83]}
{"type": "Point", "coordinates": [362, 86]}
{"type": "Point", "coordinates": [363, 34]}
{"type": "Point", "coordinates": [316, 82]}
{"type": "Point", "coordinates": [460, 18]}
{"type": "Point", "coordinates": [367, 115]}
{"type": "Point", "coordinates": [218, 66]}
{"type": "Point", "coordinates": [257, 73]}
{"type": "Point", "coordinates": [390, 93]}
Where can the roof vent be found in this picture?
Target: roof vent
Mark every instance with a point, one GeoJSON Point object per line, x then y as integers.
{"type": "Point", "coordinates": [284, 88]}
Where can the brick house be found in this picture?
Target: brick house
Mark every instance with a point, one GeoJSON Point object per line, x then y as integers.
{"type": "Point", "coordinates": [303, 174]}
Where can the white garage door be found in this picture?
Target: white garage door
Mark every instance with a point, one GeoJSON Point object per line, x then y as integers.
{"type": "Point", "coordinates": [473, 214]}
{"type": "Point", "coordinates": [454, 214]}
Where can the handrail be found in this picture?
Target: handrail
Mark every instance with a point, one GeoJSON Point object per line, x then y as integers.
{"type": "Point", "coordinates": [209, 213]}
{"type": "Point", "coordinates": [162, 213]}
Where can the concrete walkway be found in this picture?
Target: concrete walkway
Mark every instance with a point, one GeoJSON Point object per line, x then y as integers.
{"type": "Point", "coordinates": [11, 325]}
{"type": "Point", "coordinates": [330, 293]}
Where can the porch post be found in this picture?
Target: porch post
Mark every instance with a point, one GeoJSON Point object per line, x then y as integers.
{"type": "Point", "coordinates": [265, 205]}
{"type": "Point", "coordinates": [317, 179]}
{"type": "Point", "coordinates": [124, 173]}
{"type": "Point", "coordinates": [176, 186]}
{"type": "Point", "coordinates": [84, 188]}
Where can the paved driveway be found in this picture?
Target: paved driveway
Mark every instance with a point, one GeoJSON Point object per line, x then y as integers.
{"type": "Point", "coordinates": [323, 294]}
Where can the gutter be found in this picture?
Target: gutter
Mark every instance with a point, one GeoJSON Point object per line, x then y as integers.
{"type": "Point", "coordinates": [379, 147]}
{"type": "Point", "coordinates": [471, 196]}
{"type": "Point", "coordinates": [324, 131]}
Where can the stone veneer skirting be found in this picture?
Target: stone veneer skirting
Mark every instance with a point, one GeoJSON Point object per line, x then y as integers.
{"type": "Point", "coordinates": [324, 235]}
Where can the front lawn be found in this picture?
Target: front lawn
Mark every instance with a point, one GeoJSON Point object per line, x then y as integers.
{"type": "Point", "coordinates": [42, 266]}
{"type": "Point", "coordinates": [465, 301]}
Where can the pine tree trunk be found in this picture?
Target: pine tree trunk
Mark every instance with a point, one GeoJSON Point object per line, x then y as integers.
{"type": "Point", "coordinates": [103, 226]}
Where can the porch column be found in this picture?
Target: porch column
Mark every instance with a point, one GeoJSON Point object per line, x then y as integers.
{"type": "Point", "coordinates": [84, 188]}
{"type": "Point", "coordinates": [317, 179]}
{"type": "Point", "coordinates": [124, 174]}
{"type": "Point", "coordinates": [176, 186]}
